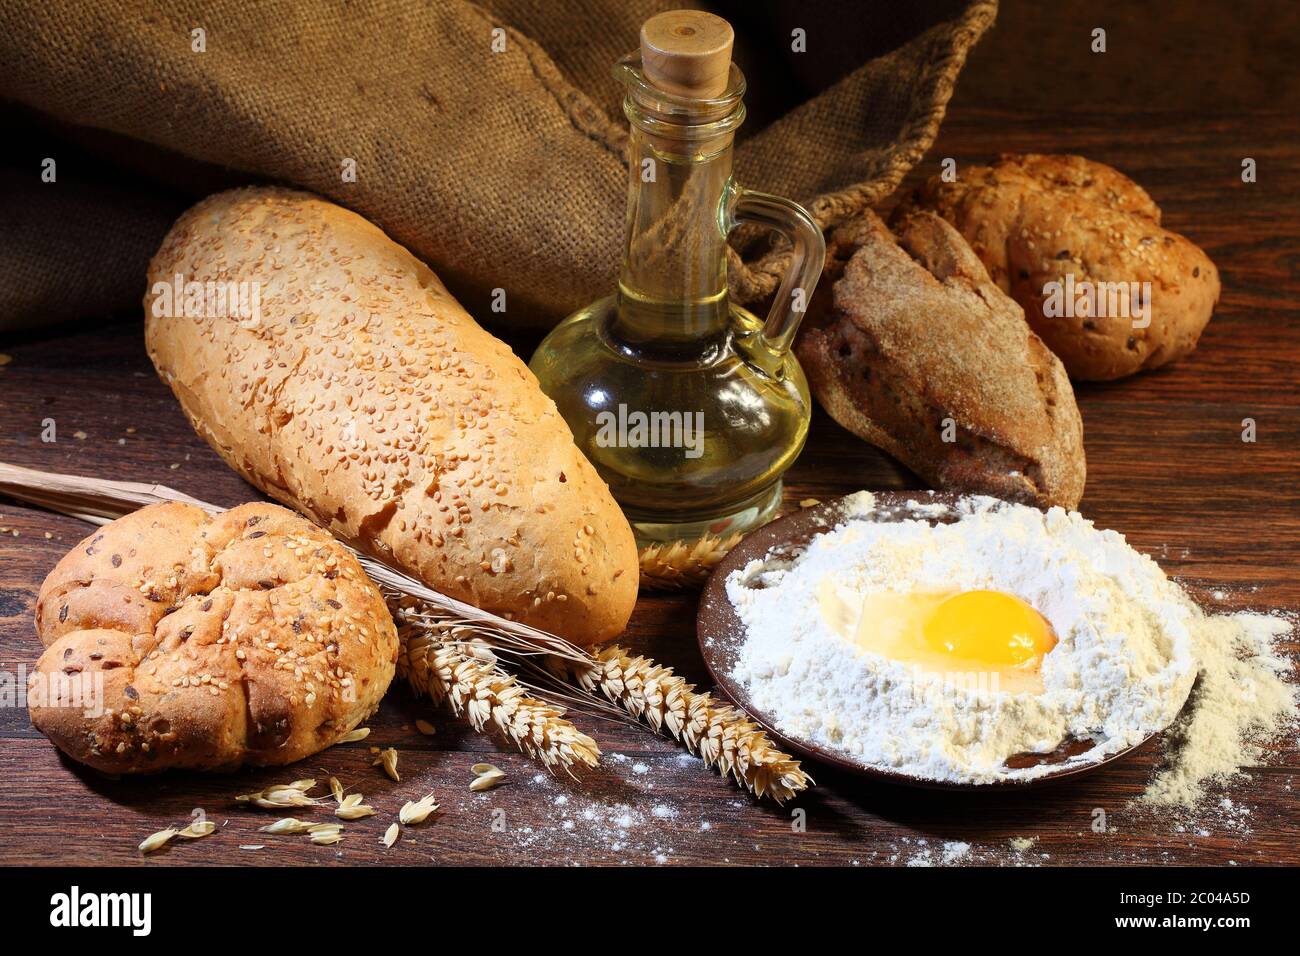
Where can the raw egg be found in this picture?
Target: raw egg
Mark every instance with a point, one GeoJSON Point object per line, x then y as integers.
{"type": "Point", "coordinates": [981, 631]}
{"type": "Point", "coordinates": [989, 627]}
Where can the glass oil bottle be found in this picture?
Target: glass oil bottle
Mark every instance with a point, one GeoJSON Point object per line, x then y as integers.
{"type": "Point", "coordinates": [688, 405]}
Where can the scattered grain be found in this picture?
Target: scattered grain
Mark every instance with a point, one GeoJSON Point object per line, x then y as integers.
{"type": "Point", "coordinates": [417, 812]}
{"type": "Point", "coordinates": [288, 825]}
{"type": "Point", "coordinates": [487, 780]}
{"type": "Point", "coordinates": [198, 829]}
{"type": "Point", "coordinates": [354, 811]}
{"type": "Point", "coordinates": [156, 841]}
{"type": "Point", "coordinates": [387, 758]}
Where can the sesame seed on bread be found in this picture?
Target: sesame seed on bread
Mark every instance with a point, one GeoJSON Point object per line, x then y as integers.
{"type": "Point", "coordinates": [175, 639]}
{"type": "Point", "coordinates": [366, 397]}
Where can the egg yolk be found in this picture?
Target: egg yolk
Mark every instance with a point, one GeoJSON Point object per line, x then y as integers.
{"type": "Point", "coordinates": [980, 634]}
{"type": "Point", "coordinates": [988, 627]}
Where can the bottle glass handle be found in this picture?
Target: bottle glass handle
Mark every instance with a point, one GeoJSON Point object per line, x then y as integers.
{"type": "Point", "coordinates": [808, 254]}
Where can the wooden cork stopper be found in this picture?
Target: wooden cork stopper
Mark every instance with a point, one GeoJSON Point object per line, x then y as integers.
{"type": "Point", "coordinates": [687, 52]}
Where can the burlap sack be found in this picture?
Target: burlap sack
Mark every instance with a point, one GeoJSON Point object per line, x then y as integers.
{"type": "Point", "coordinates": [502, 168]}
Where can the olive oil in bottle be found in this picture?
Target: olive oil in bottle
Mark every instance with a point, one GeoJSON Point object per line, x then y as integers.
{"type": "Point", "coordinates": [689, 406]}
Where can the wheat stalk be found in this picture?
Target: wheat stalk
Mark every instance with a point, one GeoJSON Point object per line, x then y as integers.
{"type": "Point", "coordinates": [683, 564]}
{"type": "Point", "coordinates": [444, 640]}
{"type": "Point", "coordinates": [461, 671]}
{"type": "Point", "coordinates": [720, 734]}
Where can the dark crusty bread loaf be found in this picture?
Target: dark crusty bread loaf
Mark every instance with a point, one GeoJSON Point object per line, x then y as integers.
{"type": "Point", "coordinates": [917, 351]}
{"type": "Point", "coordinates": [252, 637]}
{"type": "Point", "coordinates": [367, 398]}
{"type": "Point", "coordinates": [1035, 219]}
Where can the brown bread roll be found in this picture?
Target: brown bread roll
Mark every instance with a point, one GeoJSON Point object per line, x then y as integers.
{"type": "Point", "coordinates": [917, 351]}
{"type": "Point", "coordinates": [252, 637]}
{"type": "Point", "coordinates": [363, 395]}
{"type": "Point", "coordinates": [1069, 239]}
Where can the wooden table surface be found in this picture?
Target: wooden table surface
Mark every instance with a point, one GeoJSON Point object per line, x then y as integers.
{"type": "Point", "coordinates": [1166, 465]}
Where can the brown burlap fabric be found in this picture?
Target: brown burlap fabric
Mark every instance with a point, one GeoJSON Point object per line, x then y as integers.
{"type": "Point", "coordinates": [501, 169]}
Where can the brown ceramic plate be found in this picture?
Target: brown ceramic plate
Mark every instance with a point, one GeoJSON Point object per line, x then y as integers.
{"type": "Point", "coordinates": [719, 631]}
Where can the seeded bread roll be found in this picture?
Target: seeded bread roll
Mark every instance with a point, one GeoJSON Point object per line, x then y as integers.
{"type": "Point", "coordinates": [252, 637]}
{"type": "Point", "coordinates": [363, 395]}
{"type": "Point", "coordinates": [914, 349]}
{"type": "Point", "coordinates": [1068, 239]}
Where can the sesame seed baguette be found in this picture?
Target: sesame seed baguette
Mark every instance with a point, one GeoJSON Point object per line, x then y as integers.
{"type": "Point", "coordinates": [364, 396]}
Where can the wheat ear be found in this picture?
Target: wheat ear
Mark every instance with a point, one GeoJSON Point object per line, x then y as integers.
{"type": "Point", "coordinates": [723, 736]}
{"type": "Point", "coordinates": [461, 671]}
{"type": "Point", "coordinates": [683, 564]}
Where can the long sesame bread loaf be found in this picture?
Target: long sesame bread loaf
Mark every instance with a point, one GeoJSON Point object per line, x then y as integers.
{"type": "Point", "coordinates": [361, 393]}
{"type": "Point", "coordinates": [178, 640]}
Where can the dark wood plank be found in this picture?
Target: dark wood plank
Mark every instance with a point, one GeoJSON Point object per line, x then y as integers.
{"type": "Point", "coordinates": [1166, 466]}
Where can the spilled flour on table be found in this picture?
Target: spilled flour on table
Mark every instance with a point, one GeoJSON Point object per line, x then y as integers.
{"type": "Point", "coordinates": [572, 828]}
{"type": "Point", "coordinates": [1239, 704]}
{"type": "Point", "coordinates": [920, 851]}
{"type": "Point", "coordinates": [1022, 844]}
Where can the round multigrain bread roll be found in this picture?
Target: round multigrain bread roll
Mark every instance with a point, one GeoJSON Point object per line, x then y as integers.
{"type": "Point", "coordinates": [175, 639]}
{"type": "Point", "coordinates": [1080, 247]}
{"type": "Point", "coordinates": [357, 390]}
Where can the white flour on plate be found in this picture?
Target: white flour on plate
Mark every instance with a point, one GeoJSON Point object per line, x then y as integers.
{"type": "Point", "coordinates": [1126, 657]}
